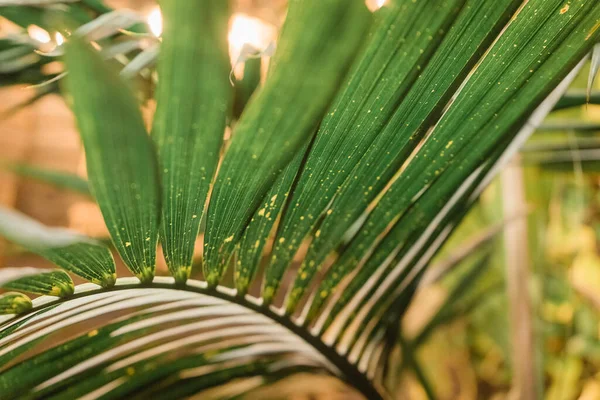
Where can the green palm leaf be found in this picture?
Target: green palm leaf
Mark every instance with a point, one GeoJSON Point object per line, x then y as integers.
{"type": "Point", "coordinates": [433, 173]}
{"type": "Point", "coordinates": [69, 250]}
{"type": "Point", "coordinates": [281, 117]}
{"type": "Point", "coordinates": [121, 161]}
{"type": "Point", "coordinates": [369, 175]}
{"type": "Point", "coordinates": [373, 154]}
{"type": "Point", "coordinates": [190, 119]}
{"type": "Point", "coordinates": [14, 303]}
{"type": "Point", "coordinates": [37, 281]}
{"type": "Point", "coordinates": [58, 179]}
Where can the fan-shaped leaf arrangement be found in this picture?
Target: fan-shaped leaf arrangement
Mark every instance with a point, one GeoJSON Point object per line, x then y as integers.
{"type": "Point", "coordinates": [366, 145]}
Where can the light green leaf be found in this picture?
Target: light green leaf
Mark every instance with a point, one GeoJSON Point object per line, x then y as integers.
{"type": "Point", "coordinates": [303, 77]}
{"type": "Point", "coordinates": [121, 163]}
{"type": "Point", "coordinates": [97, 5]}
{"type": "Point", "coordinates": [594, 69]}
{"type": "Point", "coordinates": [56, 178]}
{"type": "Point", "coordinates": [193, 99]}
{"type": "Point", "coordinates": [575, 98]}
{"type": "Point", "coordinates": [14, 303]}
{"type": "Point", "coordinates": [569, 125]}
{"type": "Point", "coordinates": [69, 250]}
{"type": "Point", "coordinates": [38, 281]}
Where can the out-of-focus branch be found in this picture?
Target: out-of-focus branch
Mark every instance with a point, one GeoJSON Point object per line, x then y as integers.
{"type": "Point", "coordinates": [517, 279]}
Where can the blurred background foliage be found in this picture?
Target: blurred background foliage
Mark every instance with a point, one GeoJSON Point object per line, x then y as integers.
{"type": "Point", "coordinates": [462, 334]}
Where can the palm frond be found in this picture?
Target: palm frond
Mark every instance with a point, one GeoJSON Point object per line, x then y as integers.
{"type": "Point", "coordinates": [69, 250]}
{"type": "Point", "coordinates": [190, 120]}
{"type": "Point", "coordinates": [281, 117]}
{"type": "Point", "coordinates": [156, 340]}
{"type": "Point", "coordinates": [121, 163]}
{"type": "Point", "coordinates": [37, 281]}
{"type": "Point", "coordinates": [369, 149]}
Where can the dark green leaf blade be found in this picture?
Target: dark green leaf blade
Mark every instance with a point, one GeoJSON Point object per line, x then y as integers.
{"type": "Point", "coordinates": [281, 117]}
{"type": "Point", "coordinates": [528, 68]}
{"type": "Point", "coordinates": [245, 87]}
{"type": "Point", "coordinates": [473, 30]}
{"type": "Point", "coordinates": [69, 250]}
{"type": "Point", "coordinates": [505, 108]}
{"type": "Point", "coordinates": [193, 99]}
{"type": "Point", "coordinates": [37, 281]}
{"type": "Point", "coordinates": [260, 226]}
{"type": "Point", "coordinates": [14, 303]}
{"type": "Point", "coordinates": [121, 161]}
{"type": "Point", "coordinates": [381, 76]}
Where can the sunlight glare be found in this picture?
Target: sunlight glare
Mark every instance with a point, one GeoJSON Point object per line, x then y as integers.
{"type": "Point", "coordinates": [39, 34]}
{"type": "Point", "coordinates": [375, 5]}
{"type": "Point", "coordinates": [155, 21]}
{"type": "Point", "coordinates": [58, 38]}
{"type": "Point", "coordinates": [248, 30]}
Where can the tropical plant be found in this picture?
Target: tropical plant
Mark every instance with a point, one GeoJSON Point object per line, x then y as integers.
{"type": "Point", "coordinates": [370, 139]}
{"type": "Point", "coordinates": [120, 35]}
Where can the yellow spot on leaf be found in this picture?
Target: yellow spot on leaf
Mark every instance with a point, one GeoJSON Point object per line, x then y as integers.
{"type": "Point", "coordinates": [229, 239]}
{"type": "Point", "coordinates": [449, 144]}
{"type": "Point", "coordinates": [318, 233]}
{"type": "Point", "coordinates": [268, 293]}
{"type": "Point", "coordinates": [564, 9]}
{"type": "Point", "coordinates": [55, 291]}
{"type": "Point", "coordinates": [93, 333]}
{"type": "Point", "coordinates": [127, 244]}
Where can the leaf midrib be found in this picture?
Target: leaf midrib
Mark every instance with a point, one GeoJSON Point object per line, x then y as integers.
{"type": "Point", "coordinates": [349, 371]}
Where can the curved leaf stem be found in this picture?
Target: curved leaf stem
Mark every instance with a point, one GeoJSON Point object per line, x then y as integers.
{"type": "Point", "coordinates": [349, 372]}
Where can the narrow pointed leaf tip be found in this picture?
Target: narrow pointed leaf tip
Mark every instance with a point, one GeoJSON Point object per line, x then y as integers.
{"type": "Point", "coordinates": [121, 162]}
{"type": "Point", "coordinates": [594, 69]}
{"type": "Point", "coordinates": [37, 281]}
{"type": "Point", "coordinates": [14, 303]}
{"type": "Point", "coordinates": [193, 101]}
{"type": "Point", "coordinates": [69, 250]}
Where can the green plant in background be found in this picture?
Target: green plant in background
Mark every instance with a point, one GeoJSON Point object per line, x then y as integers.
{"type": "Point", "coordinates": [337, 146]}
{"type": "Point", "coordinates": [27, 56]}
